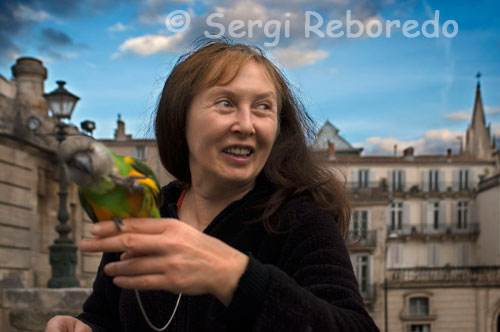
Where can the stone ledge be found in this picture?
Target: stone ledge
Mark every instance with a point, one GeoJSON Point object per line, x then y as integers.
{"type": "Point", "coordinates": [29, 309]}
{"type": "Point", "coordinates": [41, 298]}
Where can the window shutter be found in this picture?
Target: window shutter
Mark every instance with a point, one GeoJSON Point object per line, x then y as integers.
{"type": "Point", "coordinates": [425, 180]}
{"type": "Point", "coordinates": [406, 215]}
{"type": "Point", "coordinates": [403, 180]}
{"type": "Point", "coordinates": [389, 179]}
{"type": "Point", "coordinates": [372, 181]}
{"type": "Point", "coordinates": [354, 177]}
{"type": "Point", "coordinates": [454, 214]}
{"type": "Point", "coordinates": [442, 180]}
{"type": "Point", "coordinates": [443, 216]}
{"type": "Point", "coordinates": [424, 214]}
{"type": "Point", "coordinates": [454, 179]}
{"type": "Point", "coordinates": [400, 253]}
{"type": "Point", "coordinates": [430, 214]}
{"type": "Point", "coordinates": [472, 178]}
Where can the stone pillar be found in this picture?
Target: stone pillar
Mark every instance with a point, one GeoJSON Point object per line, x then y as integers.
{"type": "Point", "coordinates": [30, 74]}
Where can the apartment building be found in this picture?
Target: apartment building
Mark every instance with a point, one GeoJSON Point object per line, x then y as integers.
{"type": "Point", "coordinates": [424, 238]}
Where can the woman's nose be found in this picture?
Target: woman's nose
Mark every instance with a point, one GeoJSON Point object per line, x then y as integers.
{"type": "Point", "coordinates": [244, 122]}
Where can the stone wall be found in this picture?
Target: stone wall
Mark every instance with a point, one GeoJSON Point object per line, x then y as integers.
{"type": "Point", "coordinates": [29, 310]}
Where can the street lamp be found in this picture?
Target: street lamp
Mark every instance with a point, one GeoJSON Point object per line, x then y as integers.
{"type": "Point", "coordinates": [63, 252]}
{"type": "Point", "coordinates": [392, 235]}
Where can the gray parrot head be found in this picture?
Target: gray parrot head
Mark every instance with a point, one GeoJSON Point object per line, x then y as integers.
{"type": "Point", "coordinates": [87, 160]}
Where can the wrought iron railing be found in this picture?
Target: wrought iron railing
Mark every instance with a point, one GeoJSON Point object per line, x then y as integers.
{"type": "Point", "coordinates": [368, 292]}
{"type": "Point", "coordinates": [432, 229]}
{"type": "Point", "coordinates": [409, 187]}
{"type": "Point", "coordinates": [362, 238]}
{"type": "Point", "coordinates": [473, 274]}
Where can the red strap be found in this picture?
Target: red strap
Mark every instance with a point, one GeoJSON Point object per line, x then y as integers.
{"type": "Point", "coordinates": [181, 198]}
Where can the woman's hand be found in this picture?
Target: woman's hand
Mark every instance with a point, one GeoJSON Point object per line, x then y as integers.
{"type": "Point", "coordinates": [170, 255]}
{"type": "Point", "coordinates": [66, 324]}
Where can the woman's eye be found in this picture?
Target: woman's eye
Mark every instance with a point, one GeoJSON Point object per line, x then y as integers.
{"type": "Point", "coordinates": [264, 106]}
{"type": "Point", "coordinates": [224, 103]}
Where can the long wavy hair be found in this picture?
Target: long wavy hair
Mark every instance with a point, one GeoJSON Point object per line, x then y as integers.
{"type": "Point", "coordinates": [291, 167]}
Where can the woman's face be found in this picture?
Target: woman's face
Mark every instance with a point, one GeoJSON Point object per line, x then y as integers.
{"type": "Point", "coordinates": [231, 129]}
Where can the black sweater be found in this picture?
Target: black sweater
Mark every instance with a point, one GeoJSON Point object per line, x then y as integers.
{"type": "Point", "coordinates": [301, 280]}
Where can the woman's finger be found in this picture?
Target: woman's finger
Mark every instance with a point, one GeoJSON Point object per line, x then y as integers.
{"type": "Point", "coordinates": [133, 225]}
{"type": "Point", "coordinates": [134, 244]}
{"type": "Point", "coordinates": [138, 266]}
{"type": "Point", "coordinates": [144, 282]}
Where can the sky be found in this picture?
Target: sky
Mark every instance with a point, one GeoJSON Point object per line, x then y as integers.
{"type": "Point", "coordinates": [387, 84]}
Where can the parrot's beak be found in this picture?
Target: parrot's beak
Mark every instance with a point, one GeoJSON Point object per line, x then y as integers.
{"type": "Point", "coordinates": [82, 162]}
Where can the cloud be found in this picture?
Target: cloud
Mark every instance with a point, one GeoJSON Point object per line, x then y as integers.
{"type": "Point", "coordinates": [295, 58]}
{"type": "Point", "coordinates": [56, 37]}
{"type": "Point", "coordinates": [149, 44]}
{"type": "Point", "coordinates": [119, 27]}
{"type": "Point", "coordinates": [155, 11]}
{"type": "Point", "coordinates": [281, 28]}
{"type": "Point", "coordinates": [492, 110]}
{"type": "Point", "coordinates": [25, 13]}
{"type": "Point", "coordinates": [458, 116]}
{"type": "Point", "coordinates": [435, 141]}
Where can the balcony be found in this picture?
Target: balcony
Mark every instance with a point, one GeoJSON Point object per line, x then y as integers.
{"type": "Point", "coordinates": [382, 188]}
{"type": "Point", "coordinates": [368, 292]}
{"type": "Point", "coordinates": [456, 229]}
{"type": "Point", "coordinates": [364, 240]}
{"type": "Point", "coordinates": [367, 190]}
{"type": "Point", "coordinates": [465, 228]}
{"type": "Point", "coordinates": [456, 276]}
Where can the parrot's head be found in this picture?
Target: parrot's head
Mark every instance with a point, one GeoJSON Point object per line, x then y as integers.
{"type": "Point", "coordinates": [87, 160]}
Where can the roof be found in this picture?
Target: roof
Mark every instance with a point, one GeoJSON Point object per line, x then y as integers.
{"type": "Point", "coordinates": [425, 159]}
{"type": "Point", "coordinates": [330, 134]}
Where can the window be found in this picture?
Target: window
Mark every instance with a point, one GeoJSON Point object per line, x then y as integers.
{"type": "Point", "coordinates": [463, 179]}
{"type": "Point", "coordinates": [360, 223]}
{"type": "Point", "coordinates": [140, 152]}
{"type": "Point", "coordinates": [363, 178]}
{"type": "Point", "coordinates": [462, 254]}
{"type": "Point", "coordinates": [362, 264]}
{"type": "Point", "coordinates": [396, 255]}
{"type": "Point", "coordinates": [435, 216]}
{"type": "Point", "coordinates": [419, 328]}
{"type": "Point", "coordinates": [419, 306]}
{"type": "Point", "coordinates": [433, 180]}
{"type": "Point", "coordinates": [462, 214]}
{"type": "Point", "coordinates": [433, 254]}
{"type": "Point", "coordinates": [396, 216]}
{"type": "Point", "coordinates": [397, 180]}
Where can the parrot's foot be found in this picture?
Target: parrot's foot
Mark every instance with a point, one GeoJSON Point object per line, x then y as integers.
{"type": "Point", "coordinates": [118, 223]}
{"type": "Point", "coordinates": [129, 182]}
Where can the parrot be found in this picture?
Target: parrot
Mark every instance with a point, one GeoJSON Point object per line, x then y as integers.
{"type": "Point", "coordinates": [113, 187]}
{"type": "Point", "coordinates": [110, 186]}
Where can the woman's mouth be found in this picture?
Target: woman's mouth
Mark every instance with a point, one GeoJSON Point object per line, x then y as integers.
{"type": "Point", "coordinates": [238, 151]}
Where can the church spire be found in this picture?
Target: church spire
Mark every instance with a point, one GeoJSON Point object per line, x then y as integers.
{"type": "Point", "coordinates": [478, 111]}
{"type": "Point", "coordinates": [478, 142]}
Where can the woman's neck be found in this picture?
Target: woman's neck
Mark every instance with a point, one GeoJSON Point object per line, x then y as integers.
{"type": "Point", "coordinates": [203, 203]}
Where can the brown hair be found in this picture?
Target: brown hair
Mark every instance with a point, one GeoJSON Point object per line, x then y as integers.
{"type": "Point", "coordinates": [292, 167]}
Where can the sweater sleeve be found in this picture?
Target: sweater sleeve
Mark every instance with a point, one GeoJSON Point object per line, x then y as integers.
{"type": "Point", "coordinates": [312, 289]}
{"type": "Point", "coordinates": [100, 310]}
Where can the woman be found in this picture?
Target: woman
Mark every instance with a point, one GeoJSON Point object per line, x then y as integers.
{"type": "Point", "coordinates": [259, 245]}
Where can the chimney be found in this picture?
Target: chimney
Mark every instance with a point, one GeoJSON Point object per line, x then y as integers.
{"type": "Point", "coordinates": [395, 150]}
{"type": "Point", "coordinates": [29, 75]}
{"type": "Point", "coordinates": [331, 149]}
{"type": "Point", "coordinates": [120, 130]}
{"type": "Point", "coordinates": [448, 152]}
{"type": "Point", "coordinates": [408, 152]}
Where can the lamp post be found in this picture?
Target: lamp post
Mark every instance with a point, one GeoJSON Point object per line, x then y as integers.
{"type": "Point", "coordinates": [392, 235]}
{"type": "Point", "coordinates": [63, 252]}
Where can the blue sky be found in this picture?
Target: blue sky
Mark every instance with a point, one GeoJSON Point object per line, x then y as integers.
{"type": "Point", "coordinates": [378, 91]}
